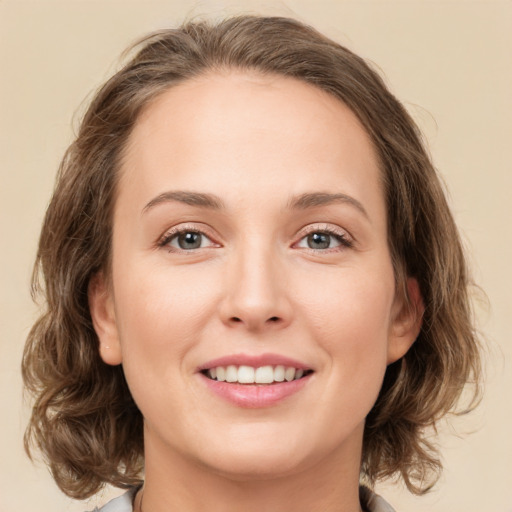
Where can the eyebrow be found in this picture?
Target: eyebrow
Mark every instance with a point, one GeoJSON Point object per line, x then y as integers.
{"type": "Point", "coordinates": [202, 200]}
{"type": "Point", "coordinates": [213, 202]}
{"type": "Point", "coordinates": [314, 199]}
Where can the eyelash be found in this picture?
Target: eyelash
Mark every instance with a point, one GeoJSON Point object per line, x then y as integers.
{"type": "Point", "coordinates": [181, 230]}
{"type": "Point", "coordinates": [339, 235]}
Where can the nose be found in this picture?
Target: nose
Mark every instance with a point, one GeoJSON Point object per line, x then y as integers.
{"type": "Point", "coordinates": [256, 297]}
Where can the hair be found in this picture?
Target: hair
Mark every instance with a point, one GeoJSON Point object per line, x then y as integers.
{"type": "Point", "coordinates": [84, 419]}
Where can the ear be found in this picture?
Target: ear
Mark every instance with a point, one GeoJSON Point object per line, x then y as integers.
{"type": "Point", "coordinates": [101, 306]}
{"type": "Point", "coordinates": [406, 322]}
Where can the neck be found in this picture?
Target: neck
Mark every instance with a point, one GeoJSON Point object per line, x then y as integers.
{"type": "Point", "coordinates": [175, 482]}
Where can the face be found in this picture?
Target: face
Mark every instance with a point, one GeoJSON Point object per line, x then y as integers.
{"type": "Point", "coordinates": [252, 298]}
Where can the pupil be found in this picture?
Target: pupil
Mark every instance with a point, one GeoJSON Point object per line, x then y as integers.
{"type": "Point", "coordinates": [189, 240]}
{"type": "Point", "coordinates": [319, 241]}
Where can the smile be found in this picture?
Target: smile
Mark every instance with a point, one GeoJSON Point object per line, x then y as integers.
{"type": "Point", "coordinates": [244, 374]}
{"type": "Point", "coordinates": [255, 381]}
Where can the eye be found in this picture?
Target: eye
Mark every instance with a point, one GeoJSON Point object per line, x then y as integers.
{"type": "Point", "coordinates": [324, 240]}
{"type": "Point", "coordinates": [186, 240]}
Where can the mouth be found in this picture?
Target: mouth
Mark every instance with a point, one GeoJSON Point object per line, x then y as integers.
{"type": "Point", "coordinates": [261, 375]}
{"type": "Point", "coordinates": [255, 381]}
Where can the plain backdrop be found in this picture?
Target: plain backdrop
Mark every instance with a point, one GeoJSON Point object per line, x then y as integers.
{"type": "Point", "coordinates": [449, 61]}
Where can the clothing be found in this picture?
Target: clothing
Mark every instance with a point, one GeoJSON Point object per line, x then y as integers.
{"type": "Point", "coordinates": [124, 503]}
{"type": "Point", "coordinates": [373, 502]}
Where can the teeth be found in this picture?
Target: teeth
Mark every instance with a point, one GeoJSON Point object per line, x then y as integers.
{"type": "Point", "coordinates": [231, 374]}
{"type": "Point", "coordinates": [246, 375]}
{"type": "Point", "coordinates": [221, 373]}
{"type": "Point", "coordinates": [289, 374]}
{"type": "Point", "coordinates": [279, 373]}
{"type": "Point", "coordinates": [264, 375]}
{"type": "Point", "coordinates": [249, 375]}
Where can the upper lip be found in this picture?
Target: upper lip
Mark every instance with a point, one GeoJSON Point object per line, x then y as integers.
{"type": "Point", "coordinates": [255, 361]}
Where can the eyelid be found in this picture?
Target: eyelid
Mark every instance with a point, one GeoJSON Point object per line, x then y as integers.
{"type": "Point", "coordinates": [342, 235]}
{"type": "Point", "coordinates": [169, 234]}
{"type": "Point", "coordinates": [345, 239]}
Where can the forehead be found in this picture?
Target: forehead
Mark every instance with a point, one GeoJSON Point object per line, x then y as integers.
{"type": "Point", "coordinates": [234, 131]}
{"type": "Point", "coordinates": [221, 102]}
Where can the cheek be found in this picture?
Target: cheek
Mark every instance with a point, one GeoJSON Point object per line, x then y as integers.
{"type": "Point", "coordinates": [160, 311]}
{"type": "Point", "coordinates": [160, 316]}
{"type": "Point", "coordinates": [349, 316]}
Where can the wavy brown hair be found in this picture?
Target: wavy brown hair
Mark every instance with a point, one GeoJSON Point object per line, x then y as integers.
{"type": "Point", "coordinates": [84, 419]}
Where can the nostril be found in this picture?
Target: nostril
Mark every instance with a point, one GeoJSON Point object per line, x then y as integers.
{"type": "Point", "coordinates": [238, 320]}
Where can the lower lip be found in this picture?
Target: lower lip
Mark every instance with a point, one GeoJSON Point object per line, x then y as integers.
{"type": "Point", "coordinates": [254, 396]}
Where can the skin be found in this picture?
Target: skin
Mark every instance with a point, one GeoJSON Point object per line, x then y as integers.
{"type": "Point", "coordinates": [254, 286]}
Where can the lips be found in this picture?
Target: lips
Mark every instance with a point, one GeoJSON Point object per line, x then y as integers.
{"type": "Point", "coordinates": [255, 381]}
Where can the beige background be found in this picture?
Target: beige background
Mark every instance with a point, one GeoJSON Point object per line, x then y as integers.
{"type": "Point", "coordinates": [449, 61]}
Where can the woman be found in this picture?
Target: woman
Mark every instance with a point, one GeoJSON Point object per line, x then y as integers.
{"type": "Point", "coordinates": [255, 287]}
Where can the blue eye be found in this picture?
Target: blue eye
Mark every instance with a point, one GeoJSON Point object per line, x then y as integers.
{"type": "Point", "coordinates": [187, 240]}
{"type": "Point", "coordinates": [324, 240]}
{"type": "Point", "coordinates": [319, 241]}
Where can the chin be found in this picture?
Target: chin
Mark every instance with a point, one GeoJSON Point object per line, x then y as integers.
{"type": "Point", "coordinates": [259, 467]}
{"type": "Point", "coordinates": [265, 455]}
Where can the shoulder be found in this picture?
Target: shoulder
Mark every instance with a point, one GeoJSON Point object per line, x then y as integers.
{"type": "Point", "coordinates": [123, 503]}
{"type": "Point", "coordinates": [373, 502]}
